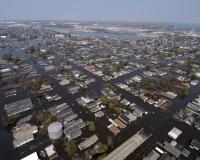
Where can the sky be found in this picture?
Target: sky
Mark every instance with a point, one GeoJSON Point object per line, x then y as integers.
{"type": "Point", "coordinates": [178, 11]}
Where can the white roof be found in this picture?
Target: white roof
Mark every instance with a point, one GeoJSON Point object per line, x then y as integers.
{"type": "Point", "coordinates": [174, 133]}
{"type": "Point", "coordinates": [32, 156]}
{"type": "Point", "coordinates": [55, 126]}
{"type": "Point", "coordinates": [5, 70]}
{"type": "Point", "coordinates": [50, 150]}
{"type": "Point", "coordinates": [172, 94]}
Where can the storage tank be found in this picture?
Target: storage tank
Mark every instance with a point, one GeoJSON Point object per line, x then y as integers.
{"type": "Point", "coordinates": [55, 130]}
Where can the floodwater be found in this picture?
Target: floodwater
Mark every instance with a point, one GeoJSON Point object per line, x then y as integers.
{"type": "Point", "coordinates": [161, 122]}
{"type": "Point", "coordinates": [97, 34]}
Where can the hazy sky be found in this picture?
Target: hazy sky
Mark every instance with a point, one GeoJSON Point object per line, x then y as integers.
{"type": "Point", "coordinates": [103, 10]}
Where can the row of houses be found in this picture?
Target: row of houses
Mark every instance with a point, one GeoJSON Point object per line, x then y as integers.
{"type": "Point", "coordinates": [169, 150]}
{"type": "Point", "coordinates": [71, 123]}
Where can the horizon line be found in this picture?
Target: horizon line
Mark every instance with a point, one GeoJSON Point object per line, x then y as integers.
{"type": "Point", "coordinates": [107, 21]}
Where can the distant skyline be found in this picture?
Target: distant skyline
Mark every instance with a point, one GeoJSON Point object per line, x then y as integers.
{"type": "Point", "coordinates": [162, 11]}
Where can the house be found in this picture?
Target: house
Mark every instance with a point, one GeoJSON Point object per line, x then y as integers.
{"type": "Point", "coordinates": [86, 100]}
{"type": "Point", "coordinates": [73, 128]}
{"type": "Point", "coordinates": [6, 70]}
{"type": "Point", "coordinates": [174, 133]}
{"type": "Point", "coordinates": [18, 106]}
{"type": "Point", "coordinates": [73, 89]}
{"type": "Point", "coordinates": [125, 102]}
{"type": "Point", "coordinates": [95, 109]}
{"type": "Point", "coordinates": [153, 155]}
{"type": "Point", "coordinates": [59, 35]}
{"type": "Point", "coordinates": [23, 134]}
{"type": "Point", "coordinates": [189, 120]}
{"type": "Point", "coordinates": [171, 149]}
{"type": "Point", "coordinates": [90, 68]}
{"type": "Point", "coordinates": [197, 74]}
{"type": "Point", "coordinates": [45, 88]}
{"type": "Point", "coordinates": [24, 120]}
{"type": "Point", "coordinates": [119, 123]}
{"type": "Point", "coordinates": [160, 102]}
{"type": "Point", "coordinates": [170, 95]}
{"type": "Point", "coordinates": [88, 142]}
{"type": "Point", "coordinates": [113, 129]}
{"type": "Point", "coordinates": [99, 114]}
{"type": "Point", "coordinates": [165, 156]}
{"type": "Point", "coordinates": [138, 111]}
{"type": "Point", "coordinates": [49, 68]}
{"type": "Point", "coordinates": [3, 37]}
{"type": "Point", "coordinates": [58, 108]}
{"type": "Point", "coordinates": [124, 119]}
{"type": "Point", "coordinates": [148, 73]}
{"type": "Point", "coordinates": [51, 153]}
{"type": "Point", "coordinates": [130, 116]}
{"type": "Point", "coordinates": [137, 78]}
{"type": "Point", "coordinates": [195, 144]}
{"type": "Point", "coordinates": [193, 107]}
{"type": "Point", "coordinates": [89, 80]}
{"type": "Point", "coordinates": [185, 152]}
{"type": "Point", "coordinates": [43, 50]}
{"type": "Point", "coordinates": [76, 73]}
{"type": "Point", "coordinates": [64, 82]}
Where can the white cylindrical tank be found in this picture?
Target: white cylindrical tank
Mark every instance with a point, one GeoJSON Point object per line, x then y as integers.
{"type": "Point", "coordinates": [55, 130]}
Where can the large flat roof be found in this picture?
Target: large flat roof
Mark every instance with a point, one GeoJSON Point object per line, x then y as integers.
{"type": "Point", "coordinates": [129, 146]}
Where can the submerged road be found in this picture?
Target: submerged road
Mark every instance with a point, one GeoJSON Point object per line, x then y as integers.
{"type": "Point", "coordinates": [160, 122]}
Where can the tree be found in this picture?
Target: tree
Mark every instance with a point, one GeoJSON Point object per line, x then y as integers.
{"type": "Point", "coordinates": [119, 66]}
{"type": "Point", "coordinates": [91, 126]}
{"type": "Point", "coordinates": [17, 60]}
{"type": "Point", "coordinates": [193, 76]}
{"type": "Point", "coordinates": [8, 57]}
{"type": "Point", "coordinates": [11, 121]}
{"type": "Point", "coordinates": [38, 116]}
{"type": "Point", "coordinates": [44, 118]}
{"type": "Point", "coordinates": [111, 87]}
{"type": "Point", "coordinates": [106, 71]}
{"type": "Point", "coordinates": [188, 67]}
{"type": "Point", "coordinates": [184, 92]}
{"type": "Point", "coordinates": [102, 156]}
{"type": "Point", "coordinates": [101, 147]}
{"type": "Point", "coordinates": [110, 141]}
{"type": "Point", "coordinates": [59, 145]}
{"type": "Point", "coordinates": [147, 83]}
{"type": "Point", "coordinates": [112, 103]}
{"type": "Point", "coordinates": [32, 49]}
{"type": "Point", "coordinates": [70, 148]}
{"type": "Point", "coordinates": [46, 122]}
